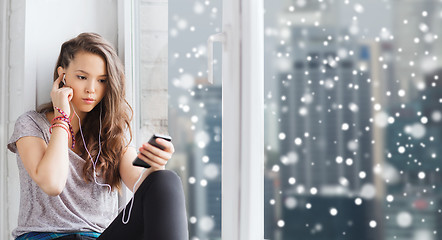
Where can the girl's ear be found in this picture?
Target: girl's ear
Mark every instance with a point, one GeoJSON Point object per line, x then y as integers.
{"type": "Point", "coordinates": [60, 70]}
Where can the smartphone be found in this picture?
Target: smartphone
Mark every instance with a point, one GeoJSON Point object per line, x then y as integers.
{"type": "Point", "coordinates": [140, 163]}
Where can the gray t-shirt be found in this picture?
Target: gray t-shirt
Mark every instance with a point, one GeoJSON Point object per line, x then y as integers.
{"type": "Point", "coordinates": [82, 206]}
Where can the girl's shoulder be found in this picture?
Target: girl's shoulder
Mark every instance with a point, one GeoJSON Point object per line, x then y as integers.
{"type": "Point", "coordinates": [32, 117]}
{"type": "Point", "coordinates": [30, 123]}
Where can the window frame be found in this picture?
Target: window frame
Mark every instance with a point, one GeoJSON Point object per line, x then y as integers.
{"type": "Point", "coordinates": [243, 120]}
{"type": "Point", "coordinates": [126, 30]}
{"type": "Point", "coordinates": [4, 72]}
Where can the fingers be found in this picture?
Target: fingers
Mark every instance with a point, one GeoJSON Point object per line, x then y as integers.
{"type": "Point", "coordinates": [70, 93]}
{"type": "Point", "coordinates": [153, 160]}
{"type": "Point", "coordinates": [150, 150]}
{"type": "Point", "coordinates": [61, 96]}
{"type": "Point", "coordinates": [57, 82]}
{"type": "Point", "coordinates": [168, 146]}
{"type": "Point", "coordinates": [155, 156]}
{"type": "Point", "coordinates": [62, 93]}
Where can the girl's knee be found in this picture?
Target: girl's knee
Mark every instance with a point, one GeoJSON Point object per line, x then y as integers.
{"type": "Point", "coordinates": [165, 176]}
{"type": "Point", "coordinates": [165, 182]}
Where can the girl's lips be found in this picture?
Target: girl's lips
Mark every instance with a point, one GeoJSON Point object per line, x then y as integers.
{"type": "Point", "coordinates": [89, 100]}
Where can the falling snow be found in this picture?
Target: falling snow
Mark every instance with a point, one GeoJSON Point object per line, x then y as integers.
{"type": "Point", "coordinates": [353, 117]}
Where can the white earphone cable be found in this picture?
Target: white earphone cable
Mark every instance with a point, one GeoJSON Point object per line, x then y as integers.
{"type": "Point", "coordinates": [132, 199]}
{"type": "Point", "coordinates": [99, 149]}
{"type": "Point", "coordinates": [95, 162]}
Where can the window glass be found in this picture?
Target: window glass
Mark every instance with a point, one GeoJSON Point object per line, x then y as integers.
{"type": "Point", "coordinates": [195, 111]}
{"type": "Point", "coordinates": [353, 119]}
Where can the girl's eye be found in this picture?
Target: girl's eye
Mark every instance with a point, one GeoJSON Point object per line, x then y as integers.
{"type": "Point", "coordinates": [103, 80]}
{"type": "Point", "coordinates": [81, 77]}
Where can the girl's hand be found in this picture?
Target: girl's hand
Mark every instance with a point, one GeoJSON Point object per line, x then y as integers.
{"type": "Point", "coordinates": [154, 156]}
{"type": "Point", "coordinates": [61, 96]}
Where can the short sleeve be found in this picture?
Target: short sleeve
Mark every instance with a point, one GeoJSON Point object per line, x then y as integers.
{"type": "Point", "coordinates": [25, 126]}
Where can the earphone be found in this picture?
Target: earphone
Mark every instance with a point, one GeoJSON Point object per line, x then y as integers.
{"type": "Point", "coordinates": [64, 78]}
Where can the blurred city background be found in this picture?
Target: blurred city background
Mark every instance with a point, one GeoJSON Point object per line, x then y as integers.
{"type": "Point", "coordinates": [352, 118]}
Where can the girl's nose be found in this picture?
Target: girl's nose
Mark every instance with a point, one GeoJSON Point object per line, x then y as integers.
{"type": "Point", "coordinates": [90, 88]}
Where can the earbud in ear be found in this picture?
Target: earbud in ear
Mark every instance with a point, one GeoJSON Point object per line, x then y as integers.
{"type": "Point", "coordinates": [64, 78]}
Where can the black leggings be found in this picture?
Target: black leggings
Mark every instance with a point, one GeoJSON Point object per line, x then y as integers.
{"type": "Point", "coordinates": [158, 211]}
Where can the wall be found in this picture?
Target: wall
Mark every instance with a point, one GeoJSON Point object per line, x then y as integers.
{"type": "Point", "coordinates": [152, 62]}
{"type": "Point", "coordinates": [61, 21]}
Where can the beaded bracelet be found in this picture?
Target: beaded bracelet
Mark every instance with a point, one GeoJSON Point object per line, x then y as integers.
{"type": "Point", "coordinates": [65, 118]}
{"type": "Point", "coordinates": [61, 118]}
{"type": "Point", "coordinates": [70, 131]}
{"type": "Point", "coordinates": [59, 125]}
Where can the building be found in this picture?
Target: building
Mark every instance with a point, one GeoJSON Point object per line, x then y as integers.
{"type": "Point", "coordinates": [413, 151]}
{"type": "Point", "coordinates": [206, 168]}
{"type": "Point", "coordinates": [416, 27]}
{"type": "Point", "coordinates": [326, 151]}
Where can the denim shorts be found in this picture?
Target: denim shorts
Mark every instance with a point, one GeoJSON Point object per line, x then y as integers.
{"type": "Point", "coordinates": [75, 237]}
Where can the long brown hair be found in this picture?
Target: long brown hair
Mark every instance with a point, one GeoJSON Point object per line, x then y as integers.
{"type": "Point", "coordinates": [116, 111]}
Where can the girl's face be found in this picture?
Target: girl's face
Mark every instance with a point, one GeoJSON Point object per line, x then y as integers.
{"type": "Point", "coordinates": [87, 76]}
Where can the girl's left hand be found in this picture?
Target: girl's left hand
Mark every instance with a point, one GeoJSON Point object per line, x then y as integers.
{"type": "Point", "coordinates": [154, 156]}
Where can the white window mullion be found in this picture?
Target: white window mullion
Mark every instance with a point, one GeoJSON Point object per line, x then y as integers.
{"type": "Point", "coordinates": [231, 136]}
{"type": "Point", "coordinates": [243, 121]}
{"type": "Point", "coordinates": [125, 52]}
{"type": "Point", "coordinates": [4, 69]}
{"type": "Point", "coordinates": [252, 121]}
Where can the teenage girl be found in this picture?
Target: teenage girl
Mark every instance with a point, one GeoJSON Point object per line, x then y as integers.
{"type": "Point", "coordinates": [73, 155]}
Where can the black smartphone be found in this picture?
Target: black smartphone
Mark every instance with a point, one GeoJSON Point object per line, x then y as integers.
{"type": "Point", "coordinates": [140, 163]}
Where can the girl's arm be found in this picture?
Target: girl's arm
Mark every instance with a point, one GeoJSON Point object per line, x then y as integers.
{"type": "Point", "coordinates": [48, 164]}
{"type": "Point", "coordinates": [154, 156]}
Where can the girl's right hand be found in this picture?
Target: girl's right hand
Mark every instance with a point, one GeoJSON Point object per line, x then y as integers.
{"type": "Point", "coordinates": [61, 97]}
